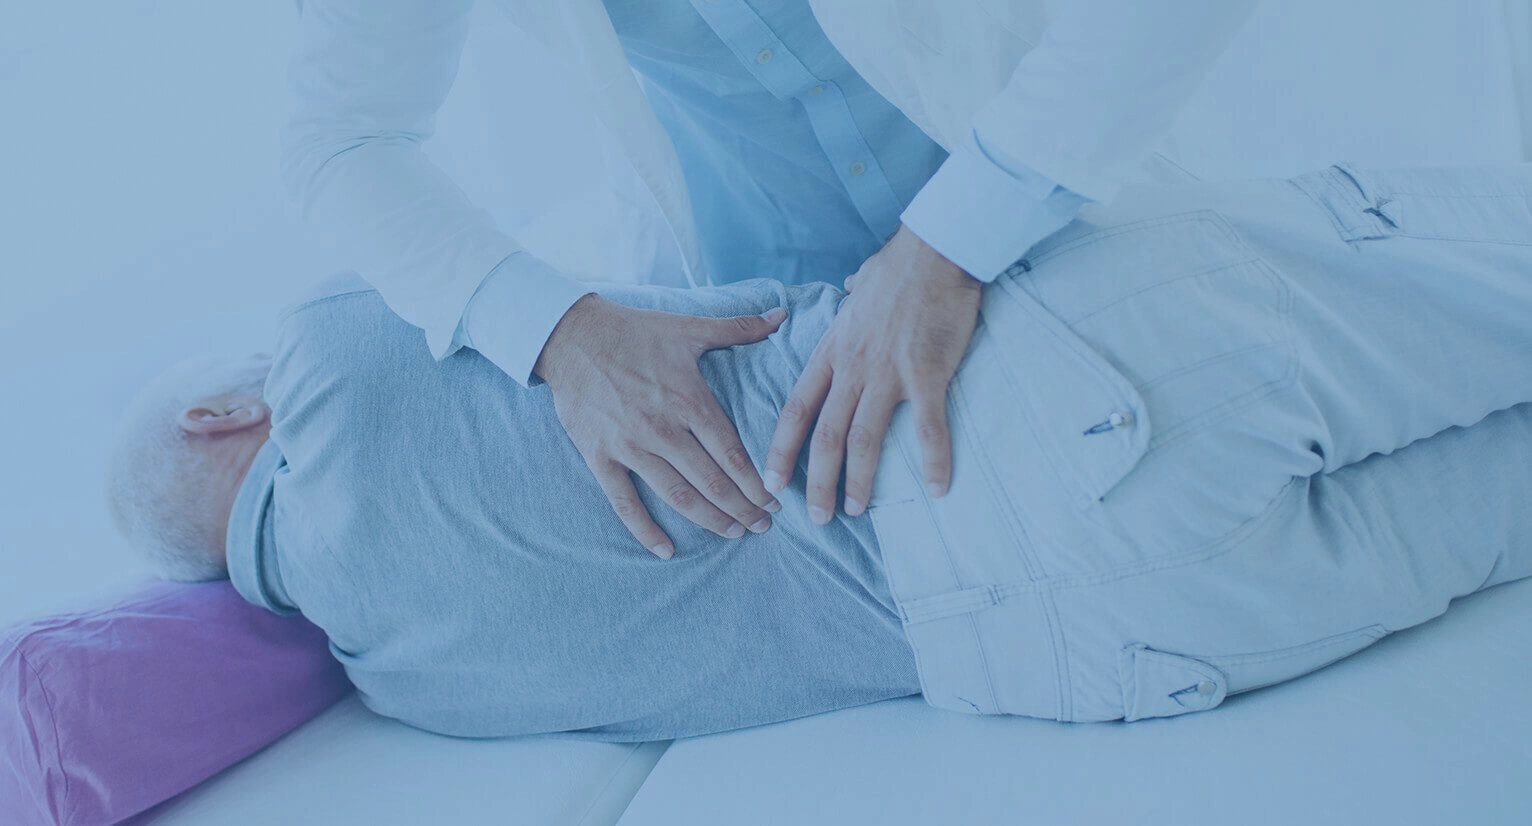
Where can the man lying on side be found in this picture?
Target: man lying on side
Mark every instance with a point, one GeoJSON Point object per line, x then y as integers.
{"type": "Point", "coordinates": [1209, 438]}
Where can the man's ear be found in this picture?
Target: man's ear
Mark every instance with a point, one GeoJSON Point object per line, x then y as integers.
{"type": "Point", "coordinates": [210, 419]}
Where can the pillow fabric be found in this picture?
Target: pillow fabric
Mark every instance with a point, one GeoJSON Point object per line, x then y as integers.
{"type": "Point", "coordinates": [106, 713]}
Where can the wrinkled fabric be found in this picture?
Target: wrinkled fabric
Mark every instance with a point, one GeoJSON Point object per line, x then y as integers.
{"type": "Point", "coordinates": [1214, 437]}
{"type": "Point", "coordinates": [439, 525]}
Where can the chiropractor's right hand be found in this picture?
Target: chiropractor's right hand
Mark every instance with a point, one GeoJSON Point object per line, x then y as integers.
{"type": "Point", "coordinates": [630, 395]}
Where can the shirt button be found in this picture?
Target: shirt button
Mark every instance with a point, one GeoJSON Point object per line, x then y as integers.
{"type": "Point", "coordinates": [1206, 687]}
{"type": "Point", "coordinates": [763, 56]}
{"type": "Point", "coordinates": [1120, 419]}
{"type": "Point", "coordinates": [858, 168]}
{"type": "Point", "coordinates": [817, 90]}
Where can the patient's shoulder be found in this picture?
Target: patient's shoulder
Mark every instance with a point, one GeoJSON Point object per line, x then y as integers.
{"type": "Point", "coordinates": [343, 350]}
{"type": "Point", "coordinates": [336, 285]}
{"type": "Point", "coordinates": [343, 320]}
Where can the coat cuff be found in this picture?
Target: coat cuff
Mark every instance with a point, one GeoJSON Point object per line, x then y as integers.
{"type": "Point", "coordinates": [983, 216]}
{"type": "Point", "coordinates": [514, 311]}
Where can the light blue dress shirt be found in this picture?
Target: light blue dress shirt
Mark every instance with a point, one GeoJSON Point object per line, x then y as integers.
{"type": "Point", "coordinates": [799, 170]}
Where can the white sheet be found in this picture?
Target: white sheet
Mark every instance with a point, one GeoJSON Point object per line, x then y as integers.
{"type": "Point", "coordinates": [350, 766]}
{"type": "Point", "coordinates": [1430, 726]}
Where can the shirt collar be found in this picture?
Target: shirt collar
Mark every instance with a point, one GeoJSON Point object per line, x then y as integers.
{"type": "Point", "coordinates": [251, 540]}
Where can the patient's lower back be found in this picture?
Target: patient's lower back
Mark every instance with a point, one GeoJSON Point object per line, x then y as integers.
{"type": "Point", "coordinates": [475, 581]}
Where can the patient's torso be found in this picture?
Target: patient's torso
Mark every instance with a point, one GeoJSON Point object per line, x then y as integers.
{"type": "Point", "coordinates": [437, 522]}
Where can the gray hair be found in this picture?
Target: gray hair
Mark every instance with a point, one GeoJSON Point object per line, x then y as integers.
{"type": "Point", "coordinates": [156, 476]}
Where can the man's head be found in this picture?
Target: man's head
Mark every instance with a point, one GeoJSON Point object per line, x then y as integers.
{"type": "Point", "coordinates": [182, 450]}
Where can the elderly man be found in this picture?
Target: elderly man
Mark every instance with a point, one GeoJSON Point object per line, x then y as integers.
{"type": "Point", "coordinates": [1294, 420]}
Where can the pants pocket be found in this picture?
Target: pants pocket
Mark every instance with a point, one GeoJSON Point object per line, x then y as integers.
{"type": "Point", "coordinates": [1194, 328]}
{"type": "Point", "coordinates": [1163, 684]}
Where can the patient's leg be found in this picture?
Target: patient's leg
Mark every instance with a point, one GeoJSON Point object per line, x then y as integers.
{"type": "Point", "coordinates": [1163, 491]}
{"type": "Point", "coordinates": [1341, 560]}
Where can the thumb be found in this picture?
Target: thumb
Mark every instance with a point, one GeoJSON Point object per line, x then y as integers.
{"type": "Point", "coordinates": [714, 333]}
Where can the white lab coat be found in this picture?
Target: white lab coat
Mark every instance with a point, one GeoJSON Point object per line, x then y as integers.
{"type": "Point", "coordinates": [1080, 96]}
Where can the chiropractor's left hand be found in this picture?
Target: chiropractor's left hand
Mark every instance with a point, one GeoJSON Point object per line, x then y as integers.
{"type": "Point", "coordinates": [899, 336]}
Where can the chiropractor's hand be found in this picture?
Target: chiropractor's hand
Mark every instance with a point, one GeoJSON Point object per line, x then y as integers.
{"type": "Point", "coordinates": [899, 336]}
{"type": "Point", "coordinates": [628, 392]}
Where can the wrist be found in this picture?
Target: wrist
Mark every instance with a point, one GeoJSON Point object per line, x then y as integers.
{"type": "Point", "coordinates": [566, 337]}
{"type": "Point", "coordinates": [934, 265]}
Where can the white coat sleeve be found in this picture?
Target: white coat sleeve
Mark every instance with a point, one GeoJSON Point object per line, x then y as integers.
{"type": "Point", "coordinates": [1081, 111]}
{"type": "Point", "coordinates": [368, 77]}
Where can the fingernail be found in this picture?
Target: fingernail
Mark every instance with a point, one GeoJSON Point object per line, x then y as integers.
{"type": "Point", "coordinates": [773, 506]}
{"type": "Point", "coordinates": [762, 525]}
{"type": "Point", "coordinates": [774, 314]}
{"type": "Point", "coordinates": [663, 551]}
{"type": "Point", "coordinates": [936, 490]}
{"type": "Point", "coordinates": [772, 480]}
{"type": "Point", "coordinates": [819, 515]}
{"type": "Point", "coordinates": [853, 506]}
{"type": "Point", "coordinates": [735, 531]}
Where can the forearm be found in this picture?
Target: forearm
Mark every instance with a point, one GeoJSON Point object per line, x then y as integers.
{"type": "Point", "coordinates": [368, 78]}
{"type": "Point", "coordinates": [1079, 115]}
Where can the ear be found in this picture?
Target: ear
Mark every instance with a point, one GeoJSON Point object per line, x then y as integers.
{"type": "Point", "coordinates": [236, 415]}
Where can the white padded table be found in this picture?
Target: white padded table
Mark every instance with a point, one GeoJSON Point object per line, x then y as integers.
{"type": "Point", "coordinates": [350, 766]}
{"type": "Point", "coordinates": [1428, 726]}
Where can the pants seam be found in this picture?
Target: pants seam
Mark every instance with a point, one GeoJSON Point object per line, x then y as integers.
{"type": "Point", "coordinates": [1212, 550]}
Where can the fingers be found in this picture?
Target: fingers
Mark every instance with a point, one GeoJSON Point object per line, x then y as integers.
{"type": "Point", "coordinates": [713, 333]}
{"type": "Point", "coordinates": [797, 415]}
{"type": "Point", "coordinates": [618, 487]}
{"type": "Point", "coordinates": [864, 446]}
{"type": "Point", "coordinates": [930, 408]}
{"type": "Point", "coordinates": [682, 495]}
{"type": "Point", "coordinates": [696, 464]}
{"type": "Point", "coordinates": [720, 440]}
{"type": "Point", "coordinates": [828, 449]}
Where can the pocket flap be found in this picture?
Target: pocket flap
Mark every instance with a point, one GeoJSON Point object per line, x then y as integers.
{"type": "Point", "coordinates": [1091, 423]}
{"type": "Point", "coordinates": [1157, 684]}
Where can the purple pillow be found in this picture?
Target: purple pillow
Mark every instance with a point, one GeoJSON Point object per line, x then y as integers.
{"type": "Point", "coordinates": [106, 713]}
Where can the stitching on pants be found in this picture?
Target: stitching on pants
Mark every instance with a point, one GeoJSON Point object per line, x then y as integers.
{"type": "Point", "coordinates": [1212, 550]}
{"type": "Point", "coordinates": [946, 548]}
{"type": "Point", "coordinates": [1062, 680]}
{"type": "Point", "coordinates": [1200, 273]}
{"type": "Point", "coordinates": [1093, 360]}
{"type": "Point", "coordinates": [1464, 240]}
{"type": "Point", "coordinates": [1023, 542]}
{"type": "Point", "coordinates": [978, 642]}
{"type": "Point", "coordinates": [1189, 217]}
{"type": "Point", "coordinates": [1002, 500]}
{"type": "Point", "coordinates": [1310, 186]}
{"type": "Point", "coordinates": [1375, 631]}
{"type": "Point", "coordinates": [1286, 379]}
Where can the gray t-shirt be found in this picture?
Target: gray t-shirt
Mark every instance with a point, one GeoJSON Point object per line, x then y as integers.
{"type": "Point", "coordinates": [435, 520]}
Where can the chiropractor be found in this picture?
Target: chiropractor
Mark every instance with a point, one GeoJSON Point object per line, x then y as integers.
{"type": "Point", "coordinates": [767, 153]}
